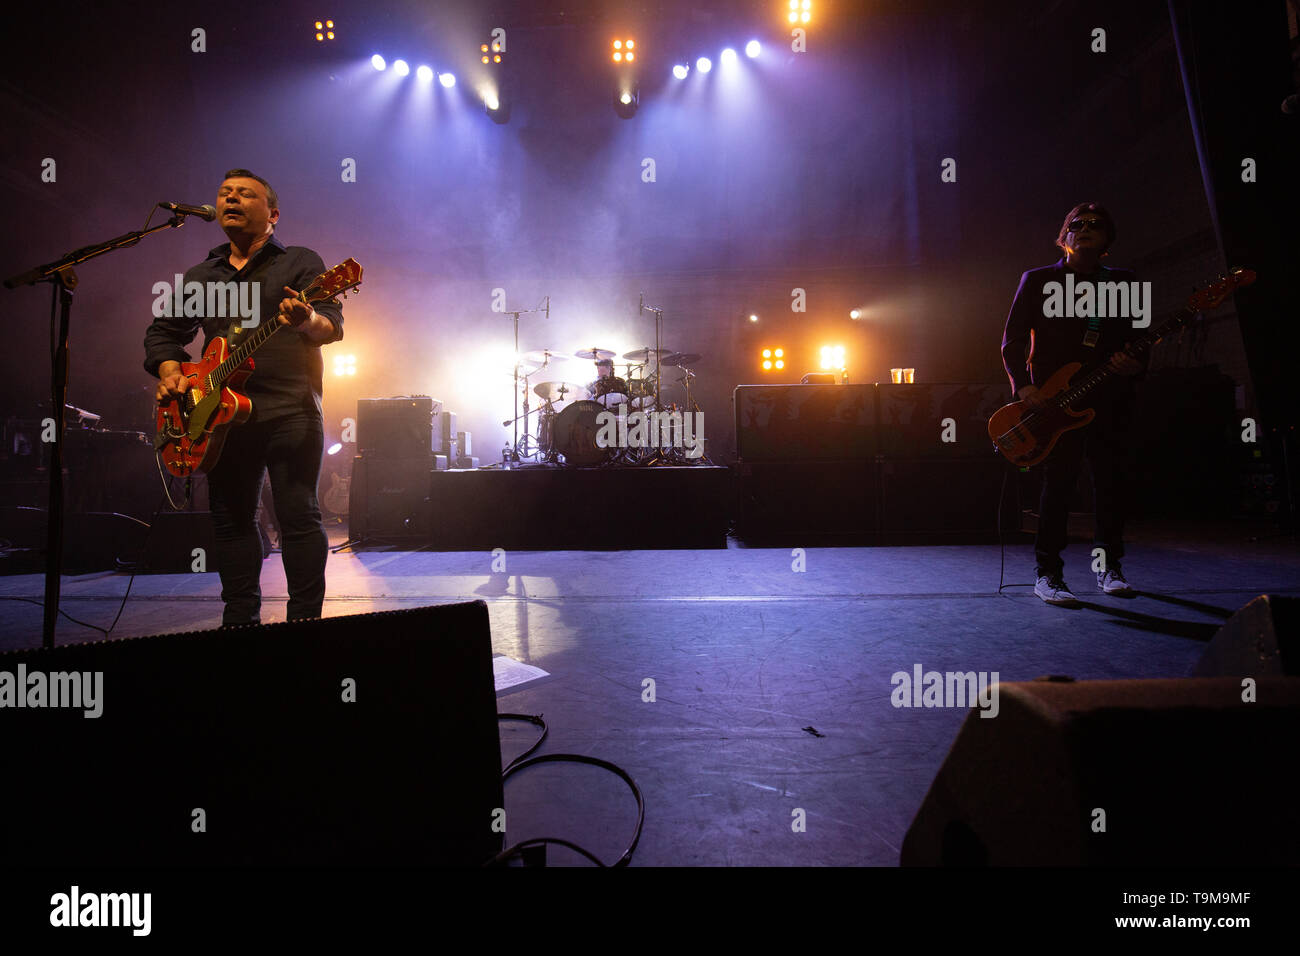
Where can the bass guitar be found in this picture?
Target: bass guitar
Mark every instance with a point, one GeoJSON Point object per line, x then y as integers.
{"type": "Point", "coordinates": [1025, 436]}
{"type": "Point", "coordinates": [192, 429]}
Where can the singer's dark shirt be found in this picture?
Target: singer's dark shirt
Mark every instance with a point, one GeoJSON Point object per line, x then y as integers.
{"type": "Point", "coordinates": [288, 369]}
{"type": "Point", "coordinates": [1034, 346]}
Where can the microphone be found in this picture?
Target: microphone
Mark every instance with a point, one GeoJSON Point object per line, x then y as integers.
{"type": "Point", "coordinates": [203, 212]}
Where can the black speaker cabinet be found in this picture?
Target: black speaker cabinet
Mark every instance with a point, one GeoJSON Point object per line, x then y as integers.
{"type": "Point", "coordinates": [805, 422]}
{"type": "Point", "coordinates": [367, 739]}
{"type": "Point", "coordinates": [1118, 773]}
{"type": "Point", "coordinates": [389, 498]}
{"type": "Point", "coordinates": [938, 420]}
{"type": "Point", "coordinates": [389, 428]}
{"type": "Point", "coordinates": [953, 497]}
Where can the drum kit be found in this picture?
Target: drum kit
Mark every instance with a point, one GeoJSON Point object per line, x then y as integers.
{"type": "Point", "coordinates": [568, 419]}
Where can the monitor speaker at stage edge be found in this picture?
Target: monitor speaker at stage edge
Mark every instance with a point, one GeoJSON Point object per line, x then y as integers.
{"type": "Point", "coordinates": [366, 739]}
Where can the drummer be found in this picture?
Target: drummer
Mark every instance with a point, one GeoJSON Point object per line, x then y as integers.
{"type": "Point", "coordinates": [607, 389]}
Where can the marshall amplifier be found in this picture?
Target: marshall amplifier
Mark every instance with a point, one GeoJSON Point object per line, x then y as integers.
{"type": "Point", "coordinates": [389, 498]}
{"type": "Point", "coordinates": [389, 428]}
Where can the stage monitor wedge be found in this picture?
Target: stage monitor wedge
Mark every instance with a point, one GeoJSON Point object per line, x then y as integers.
{"type": "Point", "coordinates": [367, 739]}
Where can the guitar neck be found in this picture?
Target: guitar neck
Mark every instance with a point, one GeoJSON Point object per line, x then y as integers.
{"type": "Point", "coordinates": [236, 359]}
{"type": "Point", "coordinates": [1136, 348]}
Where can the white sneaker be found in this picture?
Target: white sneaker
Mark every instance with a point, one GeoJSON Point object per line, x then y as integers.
{"type": "Point", "coordinates": [1112, 582]}
{"type": "Point", "coordinates": [1054, 591]}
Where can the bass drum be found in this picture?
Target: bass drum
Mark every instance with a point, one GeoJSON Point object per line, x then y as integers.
{"type": "Point", "coordinates": [574, 434]}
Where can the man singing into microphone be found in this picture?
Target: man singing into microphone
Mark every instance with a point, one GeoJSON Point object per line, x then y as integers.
{"type": "Point", "coordinates": [1034, 346]}
{"type": "Point", "coordinates": [284, 434]}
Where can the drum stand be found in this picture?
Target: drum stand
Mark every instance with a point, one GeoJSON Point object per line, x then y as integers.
{"type": "Point", "coordinates": [514, 448]}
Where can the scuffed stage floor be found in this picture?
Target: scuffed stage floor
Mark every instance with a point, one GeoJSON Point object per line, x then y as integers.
{"type": "Point", "coordinates": [746, 653]}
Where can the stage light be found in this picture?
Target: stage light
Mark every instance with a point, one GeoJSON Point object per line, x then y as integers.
{"type": "Point", "coordinates": [753, 48]}
{"type": "Point", "coordinates": [680, 71]}
{"type": "Point", "coordinates": [345, 365]}
{"type": "Point", "coordinates": [773, 359]}
{"type": "Point", "coordinates": [704, 64]}
{"type": "Point", "coordinates": [626, 102]}
{"type": "Point", "coordinates": [378, 62]}
{"type": "Point", "coordinates": [855, 313]}
{"type": "Point", "coordinates": [832, 356]}
{"type": "Point", "coordinates": [728, 56]}
{"type": "Point", "coordinates": [400, 67]}
{"type": "Point", "coordinates": [497, 106]}
{"type": "Point", "coordinates": [324, 30]}
{"type": "Point", "coordinates": [753, 317]}
{"type": "Point", "coordinates": [447, 80]}
{"type": "Point", "coordinates": [335, 448]}
{"type": "Point", "coordinates": [806, 11]}
{"type": "Point", "coordinates": [624, 51]}
{"type": "Point", "coordinates": [780, 364]}
{"type": "Point", "coordinates": [767, 365]}
{"type": "Point", "coordinates": [425, 74]}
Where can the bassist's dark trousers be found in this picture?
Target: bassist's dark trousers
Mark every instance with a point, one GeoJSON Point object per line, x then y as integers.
{"type": "Point", "coordinates": [1106, 445]}
{"type": "Point", "coordinates": [290, 449]}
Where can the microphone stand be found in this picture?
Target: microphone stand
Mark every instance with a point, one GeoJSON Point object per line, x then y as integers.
{"type": "Point", "coordinates": [63, 280]}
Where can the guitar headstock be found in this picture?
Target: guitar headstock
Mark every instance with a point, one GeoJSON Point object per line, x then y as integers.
{"type": "Point", "coordinates": [344, 276]}
{"type": "Point", "coordinates": [1216, 292]}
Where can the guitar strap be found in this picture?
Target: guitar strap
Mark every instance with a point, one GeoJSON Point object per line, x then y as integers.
{"type": "Point", "coordinates": [236, 331]}
{"type": "Point", "coordinates": [1093, 333]}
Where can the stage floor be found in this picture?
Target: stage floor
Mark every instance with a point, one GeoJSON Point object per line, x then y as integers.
{"type": "Point", "coordinates": [745, 654]}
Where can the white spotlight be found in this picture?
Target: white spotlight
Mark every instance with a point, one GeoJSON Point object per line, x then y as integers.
{"type": "Point", "coordinates": [425, 74]}
{"type": "Point", "coordinates": [400, 67]}
{"type": "Point", "coordinates": [704, 64]}
{"type": "Point", "coordinates": [680, 71]}
{"type": "Point", "coordinates": [753, 48]}
{"type": "Point", "coordinates": [377, 62]}
{"type": "Point", "coordinates": [728, 56]}
{"type": "Point", "coordinates": [447, 79]}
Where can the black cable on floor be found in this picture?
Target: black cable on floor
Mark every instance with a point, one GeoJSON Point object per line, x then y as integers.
{"type": "Point", "coordinates": [537, 721]}
{"type": "Point", "coordinates": [519, 763]}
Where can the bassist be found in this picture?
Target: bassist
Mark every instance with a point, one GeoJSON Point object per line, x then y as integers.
{"type": "Point", "coordinates": [284, 435]}
{"type": "Point", "coordinates": [1034, 346]}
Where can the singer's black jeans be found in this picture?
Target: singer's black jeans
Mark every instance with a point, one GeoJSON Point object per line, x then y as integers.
{"type": "Point", "coordinates": [1106, 444]}
{"type": "Point", "coordinates": [289, 447]}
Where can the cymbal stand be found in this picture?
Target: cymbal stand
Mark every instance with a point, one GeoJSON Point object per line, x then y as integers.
{"type": "Point", "coordinates": [514, 447]}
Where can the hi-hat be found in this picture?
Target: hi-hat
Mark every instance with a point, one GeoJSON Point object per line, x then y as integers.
{"type": "Point", "coordinates": [559, 391]}
{"type": "Point", "coordinates": [682, 359]}
{"type": "Point", "coordinates": [595, 354]}
{"type": "Point", "coordinates": [645, 355]}
{"type": "Point", "coordinates": [524, 370]}
{"type": "Point", "coordinates": [542, 356]}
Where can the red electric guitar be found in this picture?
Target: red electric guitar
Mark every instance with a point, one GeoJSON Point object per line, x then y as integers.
{"type": "Point", "coordinates": [192, 429]}
{"type": "Point", "coordinates": [1026, 437]}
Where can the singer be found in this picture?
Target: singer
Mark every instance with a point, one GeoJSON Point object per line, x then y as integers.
{"type": "Point", "coordinates": [285, 433]}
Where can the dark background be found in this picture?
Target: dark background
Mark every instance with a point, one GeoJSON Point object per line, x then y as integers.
{"type": "Point", "coordinates": [818, 170]}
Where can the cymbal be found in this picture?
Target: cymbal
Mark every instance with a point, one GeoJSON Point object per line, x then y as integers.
{"type": "Point", "coordinates": [682, 359]}
{"type": "Point", "coordinates": [645, 355]}
{"type": "Point", "coordinates": [542, 356]}
{"type": "Point", "coordinates": [594, 354]}
{"type": "Point", "coordinates": [559, 391]}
